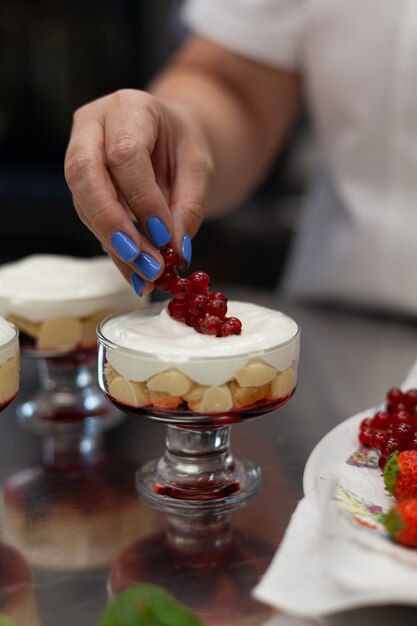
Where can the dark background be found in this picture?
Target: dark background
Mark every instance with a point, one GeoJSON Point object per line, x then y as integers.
{"type": "Point", "coordinates": [57, 55]}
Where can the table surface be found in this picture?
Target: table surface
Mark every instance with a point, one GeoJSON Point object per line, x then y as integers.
{"type": "Point", "coordinates": [348, 361]}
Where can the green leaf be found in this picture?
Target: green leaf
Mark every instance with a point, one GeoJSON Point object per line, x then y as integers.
{"type": "Point", "coordinates": [4, 621]}
{"type": "Point", "coordinates": [391, 471]}
{"type": "Point", "coordinates": [147, 605]}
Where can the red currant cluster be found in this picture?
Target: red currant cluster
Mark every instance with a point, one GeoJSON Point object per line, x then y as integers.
{"type": "Point", "coordinates": [193, 303]}
{"type": "Point", "coordinates": [394, 428]}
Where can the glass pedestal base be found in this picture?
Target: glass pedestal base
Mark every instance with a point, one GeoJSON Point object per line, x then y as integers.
{"type": "Point", "coordinates": [198, 472]}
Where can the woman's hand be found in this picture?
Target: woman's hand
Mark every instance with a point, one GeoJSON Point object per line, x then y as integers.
{"type": "Point", "coordinates": [133, 157]}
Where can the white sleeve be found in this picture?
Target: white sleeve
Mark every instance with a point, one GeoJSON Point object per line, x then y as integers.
{"type": "Point", "coordinates": [267, 31]}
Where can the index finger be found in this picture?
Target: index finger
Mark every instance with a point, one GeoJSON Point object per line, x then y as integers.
{"type": "Point", "coordinates": [97, 198]}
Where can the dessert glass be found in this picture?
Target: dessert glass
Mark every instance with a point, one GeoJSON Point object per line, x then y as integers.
{"type": "Point", "coordinates": [17, 601]}
{"type": "Point", "coordinates": [57, 302]}
{"type": "Point", "coordinates": [198, 471]}
{"type": "Point", "coordinates": [9, 365]}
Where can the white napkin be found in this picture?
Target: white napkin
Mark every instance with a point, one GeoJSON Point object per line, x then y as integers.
{"type": "Point", "coordinates": [335, 554]}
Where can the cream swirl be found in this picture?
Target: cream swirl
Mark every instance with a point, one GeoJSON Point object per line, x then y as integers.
{"type": "Point", "coordinates": [42, 287]}
{"type": "Point", "coordinates": [143, 345]}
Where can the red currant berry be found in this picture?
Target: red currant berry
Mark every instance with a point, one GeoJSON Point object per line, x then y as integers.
{"type": "Point", "coordinates": [211, 325]}
{"type": "Point", "coordinates": [390, 445]}
{"type": "Point", "coordinates": [181, 288]}
{"type": "Point", "coordinates": [171, 258]}
{"type": "Point", "coordinates": [395, 395]}
{"type": "Point", "coordinates": [366, 423]}
{"type": "Point", "coordinates": [404, 417]}
{"type": "Point", "coordinates": [165, 281]}
{"type": "Point", "coordinates": [217, 295]}
{"type": "Point", "coordinates": [365, 437]}
{"type": "Point", "coordinates": [218, 308]}
{"type": "Point", "coordinates": [381, 461]}
{"type": "Point", "coordinates": [200, 282]}
{"type": "Point", "coordinates": [191, 320]}
{"type": "Point", "coordinates": [411, 399]}
{"type": "Point", "coordinates": [197, 304]}
{"type": "Point", "coordinates": [412, 445]}
{"type": "Point", "coordinates": [381, 420]}
{"type": "Point", "coordinates": [378, 439]}
{"type": "Point", "coordinates": [178, 309]}
{"type": "Point", "coordinates": [231, 326]}
{"type": "Point", "coordinates": [403, 432]}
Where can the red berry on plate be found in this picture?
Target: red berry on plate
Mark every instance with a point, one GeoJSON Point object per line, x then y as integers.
{"type": "Point", "coordinates": [395, 395]}
{"type": "Point", "coordinates": [210, 325]}
{"type": "Point", "coordinates": [365, 437]}
{"type": "Point", "coordinates": [411, 399]}
{"type": "Point", "coordinates": [231, 326]}
{"type": "Point", "coordinates": [381, 420]}
{"type": "Point", "coordinates": [403, 432]}
{"type": "Point", "coordinates": [390, 445]}
{"type": "Point", "coordinates": [365, 423]}
{"type": "Point", "coordinates": [171, 258]}
{"type": "Point", "coordinates": [377, 439]}
{"type": "Point", "coordinates": [382, 461]}
{"type": "Point", "coordinates": [200, 282]}
{"type": "Point", "coordinates": [181, 288]}
{"type": "Point", "coordinates": [178, 309]}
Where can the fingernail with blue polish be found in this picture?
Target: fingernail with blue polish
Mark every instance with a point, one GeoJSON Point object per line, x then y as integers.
{"type": "Point", "coordinates": [124, 246]}
{"type": "Point", "coordinates": [158, 231]}
{"type": "Point", "coordinates": [186, 250]}
{"type": "Point", "coordinates": [147, 266]}
{"type": "Point", "coordinates": [137, 283]}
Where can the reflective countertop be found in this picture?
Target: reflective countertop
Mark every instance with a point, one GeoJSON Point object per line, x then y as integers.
{"type": "Point", "coordinates": [72, 526]}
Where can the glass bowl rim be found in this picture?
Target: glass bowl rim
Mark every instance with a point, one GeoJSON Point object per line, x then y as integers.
{"type": "Point", "coordinates": [108, 343]}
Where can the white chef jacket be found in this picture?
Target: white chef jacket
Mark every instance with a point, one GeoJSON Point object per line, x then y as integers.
{"type": "Point", "coordinates": [357, 238]}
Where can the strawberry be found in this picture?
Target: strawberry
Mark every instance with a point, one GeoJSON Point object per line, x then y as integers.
{"type": "Point", "coordinates": [400, 474]}
{"type": "Point", "coordinates": [401, 522]}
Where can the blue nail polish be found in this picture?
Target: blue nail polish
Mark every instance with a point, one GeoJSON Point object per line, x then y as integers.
{"type": "Point", "coordinates": [137, 283]}
{"type": "Point", "coordinates": [187, 250]}
{"type": "Point", "coordinates": [124, 246]}
{"type": "Point", "coordinates": [158, 231]}
{"type": "Point", "coordinates": [147, 266]}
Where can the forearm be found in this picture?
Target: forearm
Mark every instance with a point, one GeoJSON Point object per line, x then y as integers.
{"type": "Point", "coordinates": [245, 111]}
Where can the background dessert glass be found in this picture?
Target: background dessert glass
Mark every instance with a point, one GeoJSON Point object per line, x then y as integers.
{"type": "Point", "coordinates": [9, 364]}
{"type": "Point", "coordinates": [57, 302]}
{"type": "Point", "coordinates": [17, 601]}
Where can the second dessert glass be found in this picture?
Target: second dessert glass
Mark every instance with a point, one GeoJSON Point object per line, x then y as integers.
{"type": "Point", "coordinates": [198, 399]}
{"type": "Point", "coordinates": [56, 302]}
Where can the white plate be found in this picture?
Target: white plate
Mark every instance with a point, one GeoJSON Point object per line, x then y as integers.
{"type": "Point", "coordinates": [332, 450]}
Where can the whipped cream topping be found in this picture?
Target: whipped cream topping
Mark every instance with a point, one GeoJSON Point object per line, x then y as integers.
{"type": "Point", "coordinates": [7, 333]}
{"type": "Point", "coordinates": [158, 342]}
{"type": "Point", "coordinates": [43, 286]}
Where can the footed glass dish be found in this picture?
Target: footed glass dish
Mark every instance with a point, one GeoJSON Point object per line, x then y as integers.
{"type": "Point", "coordinates": [154, 367]}
{"type": "Point", "coordinates": [56, 302]}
